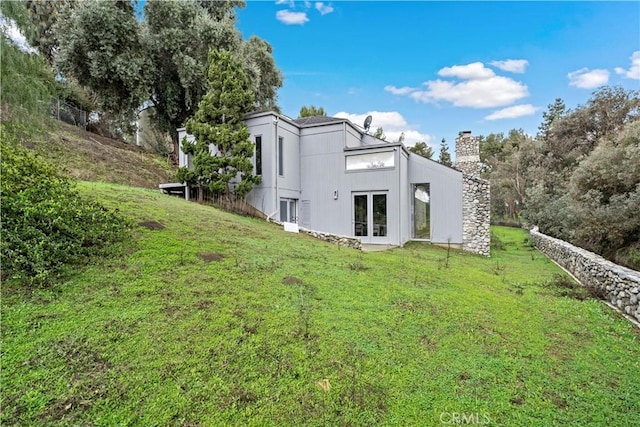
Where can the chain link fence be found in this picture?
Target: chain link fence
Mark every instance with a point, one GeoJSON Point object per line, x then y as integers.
{"type": "Point", "coordinates": [68, 113]}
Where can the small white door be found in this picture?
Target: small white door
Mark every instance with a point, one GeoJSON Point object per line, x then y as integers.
{"type": "Point", "coordinates": [289, 210]}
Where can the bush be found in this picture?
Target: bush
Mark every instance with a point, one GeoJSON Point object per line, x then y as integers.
{"type": "Point", "coordinates": [45, 224]}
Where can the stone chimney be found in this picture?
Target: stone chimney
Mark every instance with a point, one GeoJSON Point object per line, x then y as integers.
{"type": "Point", "coordinates": [467, 153]}
{"type": "Point", "coordinates": [476, 235]}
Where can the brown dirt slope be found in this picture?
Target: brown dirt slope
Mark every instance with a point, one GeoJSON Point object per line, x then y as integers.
{"type": "Point", "coordinates": [90, 157]}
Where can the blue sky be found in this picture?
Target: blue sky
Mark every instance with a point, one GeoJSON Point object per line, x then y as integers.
{"type": "Point", "coordinates": [432, 69]}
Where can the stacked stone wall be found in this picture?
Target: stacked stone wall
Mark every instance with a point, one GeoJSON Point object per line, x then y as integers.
{"type": "Point", "coordinates": [350, 242]}
{"type": "Point", "coordinates": [476, 219]}
{"type": "Point", "coordinates": [619, 285]}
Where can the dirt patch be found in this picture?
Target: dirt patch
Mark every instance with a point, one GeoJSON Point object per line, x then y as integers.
{"type": "Point", "coordinates": [518, 400]}
{"type": "Point", "coordinates": [204, 304]}
{"type": "Point", "coordinates": [151, 225]}
{"type": "Point", "coordinates": [211, 256]}
{"type": "Point", "coordinates": [291, 280]}
{"type": "Point", "coordinates": [87, 371]}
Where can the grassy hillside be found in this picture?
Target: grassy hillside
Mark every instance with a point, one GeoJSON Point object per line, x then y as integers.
{"type": "Point", "coordinates": [90, 157]}
{"type": "Point", "coordinates": [207, 318]}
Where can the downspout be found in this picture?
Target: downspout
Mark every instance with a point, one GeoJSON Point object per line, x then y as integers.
{"type": "Point", "coordinates": [277, 146]}
{"type": "Point", "coordinates": [344, 134]}
{"type": "Point", "coordinates": [399, 151]}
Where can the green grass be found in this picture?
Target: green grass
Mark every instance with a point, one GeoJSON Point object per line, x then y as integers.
{"type": "Point", "coordinates": [218, 319]}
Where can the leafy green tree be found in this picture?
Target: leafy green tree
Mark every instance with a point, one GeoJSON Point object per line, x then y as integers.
{"type": "Point", "coordinates": [178, 36]}
{"type": "Point", "coordinates": [262, 72]}
{"type": "Point", "coordinates": [604, 195]}
{"type": "Point", "coordinates": [44, 16]}
{"type": "Point", "coordinates": [507, 159]}
{"type": "Point", "coordinates": [379, 133]}
{"type": "Point", "coordinates": [28, 82]}
{"type": "Point", "coordinates": [162, 59]}
{"type": "Point", "coordinates": [100, 46]}
{"type": "Point", "coordinates": [311, 111]}
{"type": "Point", "coordinates": [219, 122]}
{"type": "Point", "coordinates": [445, 156]}
{"type": "Point", "coordinates": [422, 149]}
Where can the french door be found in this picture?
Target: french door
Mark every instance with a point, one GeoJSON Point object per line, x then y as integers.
{"type": "Point", "coordinates": [370, 217]}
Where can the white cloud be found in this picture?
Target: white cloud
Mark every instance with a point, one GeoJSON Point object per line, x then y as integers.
{"type": "Point", "coordinates": [405, 90]}
{"type": "Point", "coordinates": [511, 65]}
{"type": "Point", "coordinates": [512, 112]}
{"type": "Point", "coordinates": [9, 27]}
{"type": "Point", "coordinates": [588, 79]}
{"type": "Point", "coordinates": [634, 71]}
{"type": "Point", "coordinates": [473, 71]}
{"type": "Point", "coordinates": [291, 18]}
{"type": "Point", "coordinates": [392, 123]}
{"type": "Point", "coordinates": [290, 3]}
{"type": "Point", "coordinates": [323, 8]}
{"type": "Point", "coordinates": [480, 87]}
{"type": "Point", "coordinates": [496, 91]}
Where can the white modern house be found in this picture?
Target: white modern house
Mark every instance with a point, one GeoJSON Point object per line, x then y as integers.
{"type": "Point", "coordinates": [328, 175]}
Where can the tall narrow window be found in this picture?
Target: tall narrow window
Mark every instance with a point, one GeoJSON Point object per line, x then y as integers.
{"type": "Point", "coordinates": [258, 155]}
{"type": "Point", "coordinates": [280, 156]}
{"type": "Point", "coordinates": [421, 211]}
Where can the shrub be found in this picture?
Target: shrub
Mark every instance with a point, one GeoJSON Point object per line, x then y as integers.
{"type": "Point", "coordinates": [45, 223]}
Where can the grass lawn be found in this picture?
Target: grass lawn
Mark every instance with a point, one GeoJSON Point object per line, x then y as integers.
{"type": "Point", "coordinates": [218, 319]}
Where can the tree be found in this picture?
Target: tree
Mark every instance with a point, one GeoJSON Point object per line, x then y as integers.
{"type": "Point", "coordinates": [604, 193]}
{"type": "Point", "coordinates": [44, 16]}
{"type": "Point", "coordinates": [219, 122]}
{"type": "Point", "coordinates": [507, 160]}
{"type": "Point", "coordinates": [379, 133]}
{"type": "Point", "coordinates": [262, 72]}
{"type": "Point", "coordinates": [166, 55]}
{"type": "Point", "coordinates": [554, 112]}
{"type": "Point", "coordinates": [311, 111]}
{"type": "Point", "coordinates": [100, 46]}
{"type": "Point", "coordinates": [178, 36]}
{"type": "Point", "coordinates": [422, 149]}
{"type": "Point", "coordinates": [445, 156]}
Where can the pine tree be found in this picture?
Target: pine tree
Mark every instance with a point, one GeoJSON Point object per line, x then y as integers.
{"type": "Point", "coordinates": [445, 156]}
{"type": "Point", "coordinates": [311, 111]}
{"type": "Point", "coordinates": [219, 122]}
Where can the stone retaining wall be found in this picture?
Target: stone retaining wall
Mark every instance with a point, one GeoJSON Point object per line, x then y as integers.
{"type": "Point", "coordinates": [476, 205]}
{"type": "Point", "coordinates": [350, 242]}
{"type": "Point", "coordinates": [620, 285]}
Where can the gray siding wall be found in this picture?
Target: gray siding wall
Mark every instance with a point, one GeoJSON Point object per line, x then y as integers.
{"type": "Point", "coordinates": [262, 197]}
{"type": "Point", "coordinates": [446, 197]}
{"type": "Point", "coordinates": [266, 196]}
{"type": "Point", "coordinates": [322, 158]}
{"type": "Point", "coordinates": [183, 159]}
